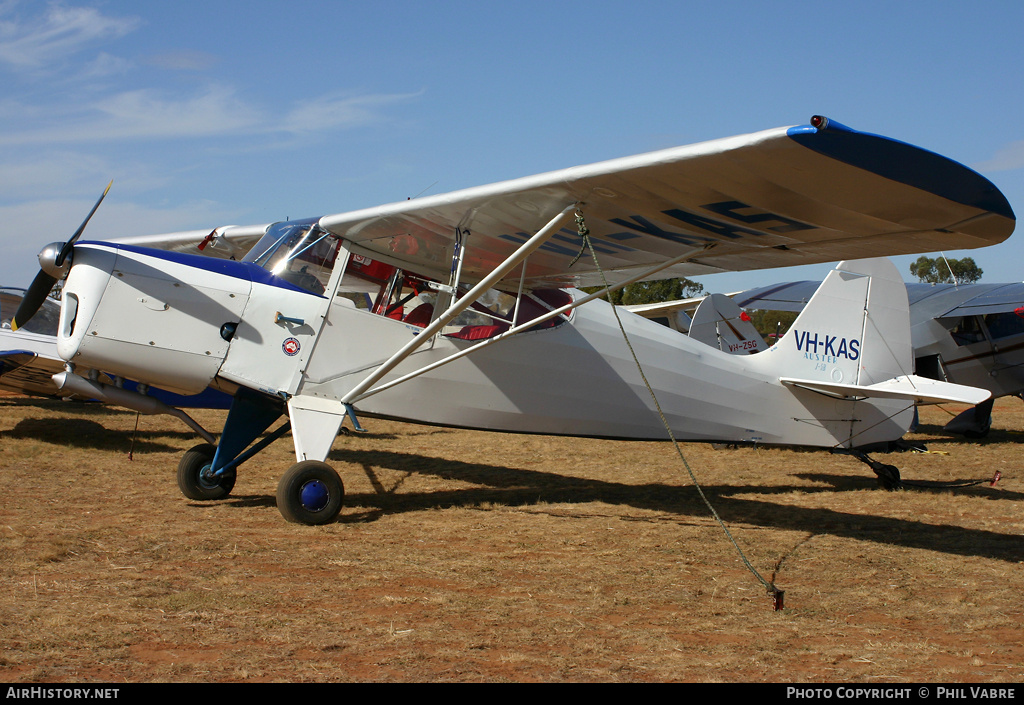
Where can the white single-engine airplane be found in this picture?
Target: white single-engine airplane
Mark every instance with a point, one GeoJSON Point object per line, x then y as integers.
{"type": "Point", "coordinates": [377, 309]}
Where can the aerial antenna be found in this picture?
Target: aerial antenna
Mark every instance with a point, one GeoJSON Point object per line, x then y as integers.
{"type": "Point", "coordinates": [423, 191]}
{"type": "Point", "coordinates": [955, 282]}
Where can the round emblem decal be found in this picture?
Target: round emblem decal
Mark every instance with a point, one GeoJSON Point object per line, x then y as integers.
{"type": "Point", "coordinates": [290, 347]}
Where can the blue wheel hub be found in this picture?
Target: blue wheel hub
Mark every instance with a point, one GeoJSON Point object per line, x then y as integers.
{"type": "Point", "coordinates": [314, 496]}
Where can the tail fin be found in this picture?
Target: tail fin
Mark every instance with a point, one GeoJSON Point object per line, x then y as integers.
{"type": "Point", "coordinates": [720, 323]}
{"type": "Point", "coordinates": [854, 330]}
{"type": "Point", "coordinates": [852, 343]}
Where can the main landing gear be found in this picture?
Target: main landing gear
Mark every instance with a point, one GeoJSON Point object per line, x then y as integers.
{"type": "Point", "coordinates": [310, 492]}
{"type": "Point", "coordinates": [196, 479]}
{"type": "Point", "coordinates": [888, 475]}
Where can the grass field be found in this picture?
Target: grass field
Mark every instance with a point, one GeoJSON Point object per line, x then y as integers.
{"type": "Point", "coordinates": [471, 556]}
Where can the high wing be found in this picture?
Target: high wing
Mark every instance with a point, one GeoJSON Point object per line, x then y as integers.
{"type": "Point", "coordinates": [661, 308]}
{"type": "Point", "coordinates": [949, 300]}
{"type": "Point", "coordinates": [777, 198]}
{"type": "Point", "coordinates": [28, 369]}
{"type": "Point", "coordinates": [787, 296]}
{"type": "Point", "coordinates": [781, 197]}
{"type": "Point", "coordinates": [29, 357]}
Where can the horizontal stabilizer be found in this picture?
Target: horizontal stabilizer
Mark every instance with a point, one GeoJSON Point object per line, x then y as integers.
{"type": "Point", "coordinates": [912, 388]}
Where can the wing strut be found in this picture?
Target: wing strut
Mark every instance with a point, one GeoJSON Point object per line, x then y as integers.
{"type": "Point", "coordinates": [646, 274]}
{"type": "Point", "coordinates": [499, 272]}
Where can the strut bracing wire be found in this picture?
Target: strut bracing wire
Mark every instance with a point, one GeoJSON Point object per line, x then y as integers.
{"type": "Point", "coordinates": [584, 234]}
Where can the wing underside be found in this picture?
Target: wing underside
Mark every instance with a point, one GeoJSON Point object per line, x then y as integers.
{"type": "Point", "coordinates": [777, 198]}
{"type": "Point", "coordinates": [782, 197]}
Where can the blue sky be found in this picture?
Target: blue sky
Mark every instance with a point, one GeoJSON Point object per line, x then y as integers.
{"type": "Point", "coordinates": [223, 112]}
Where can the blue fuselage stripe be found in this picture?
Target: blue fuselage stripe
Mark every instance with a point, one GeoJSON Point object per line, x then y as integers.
{"type": "Point", "coordinates": [246, 271]}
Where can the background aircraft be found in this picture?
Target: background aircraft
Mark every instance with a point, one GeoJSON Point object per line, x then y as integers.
{"type": "Point", "coordinates": [285, 331]}
{"type": "Point", "coordinates": [971, 334]}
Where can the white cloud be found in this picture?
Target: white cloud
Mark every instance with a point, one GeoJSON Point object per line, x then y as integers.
{"type": "Point", "coordinates": [61, 31]}
{"type": "Point", "coordinates": [104, 65]}
{"type": "Point", "coordinates": [145, 113]}
{"type": "Point", "coordinates": [140, 114]}
{"type": "Point", "coordinates": [1007, 158]}
{"type": "Point", "coordinates": [331, 113]}
{"type": "Point", "coordinates": [54, 173]}
{"type": "Point", "coordinates": [26, 227]}
{"type": "Point", "coordinates": [183, 60]}
{"type": "Point", "coordinates": [84, 106]}
{"type": "Point", "coordinates": [149, 114]}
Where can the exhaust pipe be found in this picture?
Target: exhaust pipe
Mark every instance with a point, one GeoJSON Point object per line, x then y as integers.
{"type": "Point", "coordinates": [73, 384]}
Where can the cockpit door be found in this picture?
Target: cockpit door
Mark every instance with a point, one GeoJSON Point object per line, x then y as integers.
{"type": "Point", "coordinates": [287, 306]}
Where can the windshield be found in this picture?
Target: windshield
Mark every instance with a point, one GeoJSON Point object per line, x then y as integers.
{"type": "Point", "coordinates": [298, 251]}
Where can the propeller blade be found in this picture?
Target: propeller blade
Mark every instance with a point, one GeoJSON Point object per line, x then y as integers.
{"type": "Point", "coordinates": [33, 299]}
{"type": "Point", "coordinates": [66, 250]}
{"type": "Point", "coordinates": [43, 283]}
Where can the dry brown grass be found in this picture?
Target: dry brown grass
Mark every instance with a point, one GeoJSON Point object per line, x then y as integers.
{"type": "Point", "coordinates": [469, 556]}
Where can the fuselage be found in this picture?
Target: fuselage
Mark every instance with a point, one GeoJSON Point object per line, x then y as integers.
{"type": "Point", "coordinates": [186, 322]}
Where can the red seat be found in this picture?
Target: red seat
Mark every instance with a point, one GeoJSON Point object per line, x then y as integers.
{"type": "Point", "coordinates": [479, 332]}
{"type": "Point", "coordinates": [420, 316]}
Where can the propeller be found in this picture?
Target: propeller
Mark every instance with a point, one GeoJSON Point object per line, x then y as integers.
{"type": "Point", "coordinates": [52, 261]}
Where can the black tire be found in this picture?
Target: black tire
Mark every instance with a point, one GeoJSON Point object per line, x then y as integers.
{"type": "Point", "coordinates": [310, 493]}
{"type": "Point", "coordinates": [191, 480]}
{"type": "Point", "coordinates": [888, 476]}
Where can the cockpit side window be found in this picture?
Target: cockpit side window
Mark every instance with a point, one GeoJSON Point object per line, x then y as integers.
{"type": "Point", "coordinates": [968, 331]}
{"type": "Point", "coordinates": [1004, 325]}
{"type": "Point", "coordinates": [388, 291]}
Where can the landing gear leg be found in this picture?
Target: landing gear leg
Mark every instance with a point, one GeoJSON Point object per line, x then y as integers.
{"type": "Point", "coordinates": [208, 472]}
{"type": "Point", "coordinates": [888, 475]}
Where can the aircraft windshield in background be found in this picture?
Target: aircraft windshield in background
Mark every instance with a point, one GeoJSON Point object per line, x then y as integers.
{"type": "Point", "coordinates": [459, 309]}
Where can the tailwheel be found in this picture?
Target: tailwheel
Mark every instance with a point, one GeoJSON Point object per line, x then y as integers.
{"type": "Point", "coordinates": [194, 478]}
{"type": "Point", "coordinates": [310, 492]}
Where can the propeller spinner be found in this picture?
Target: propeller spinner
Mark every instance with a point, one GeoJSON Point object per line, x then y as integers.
{"type": "Point", "coordinates": [54, 263]}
